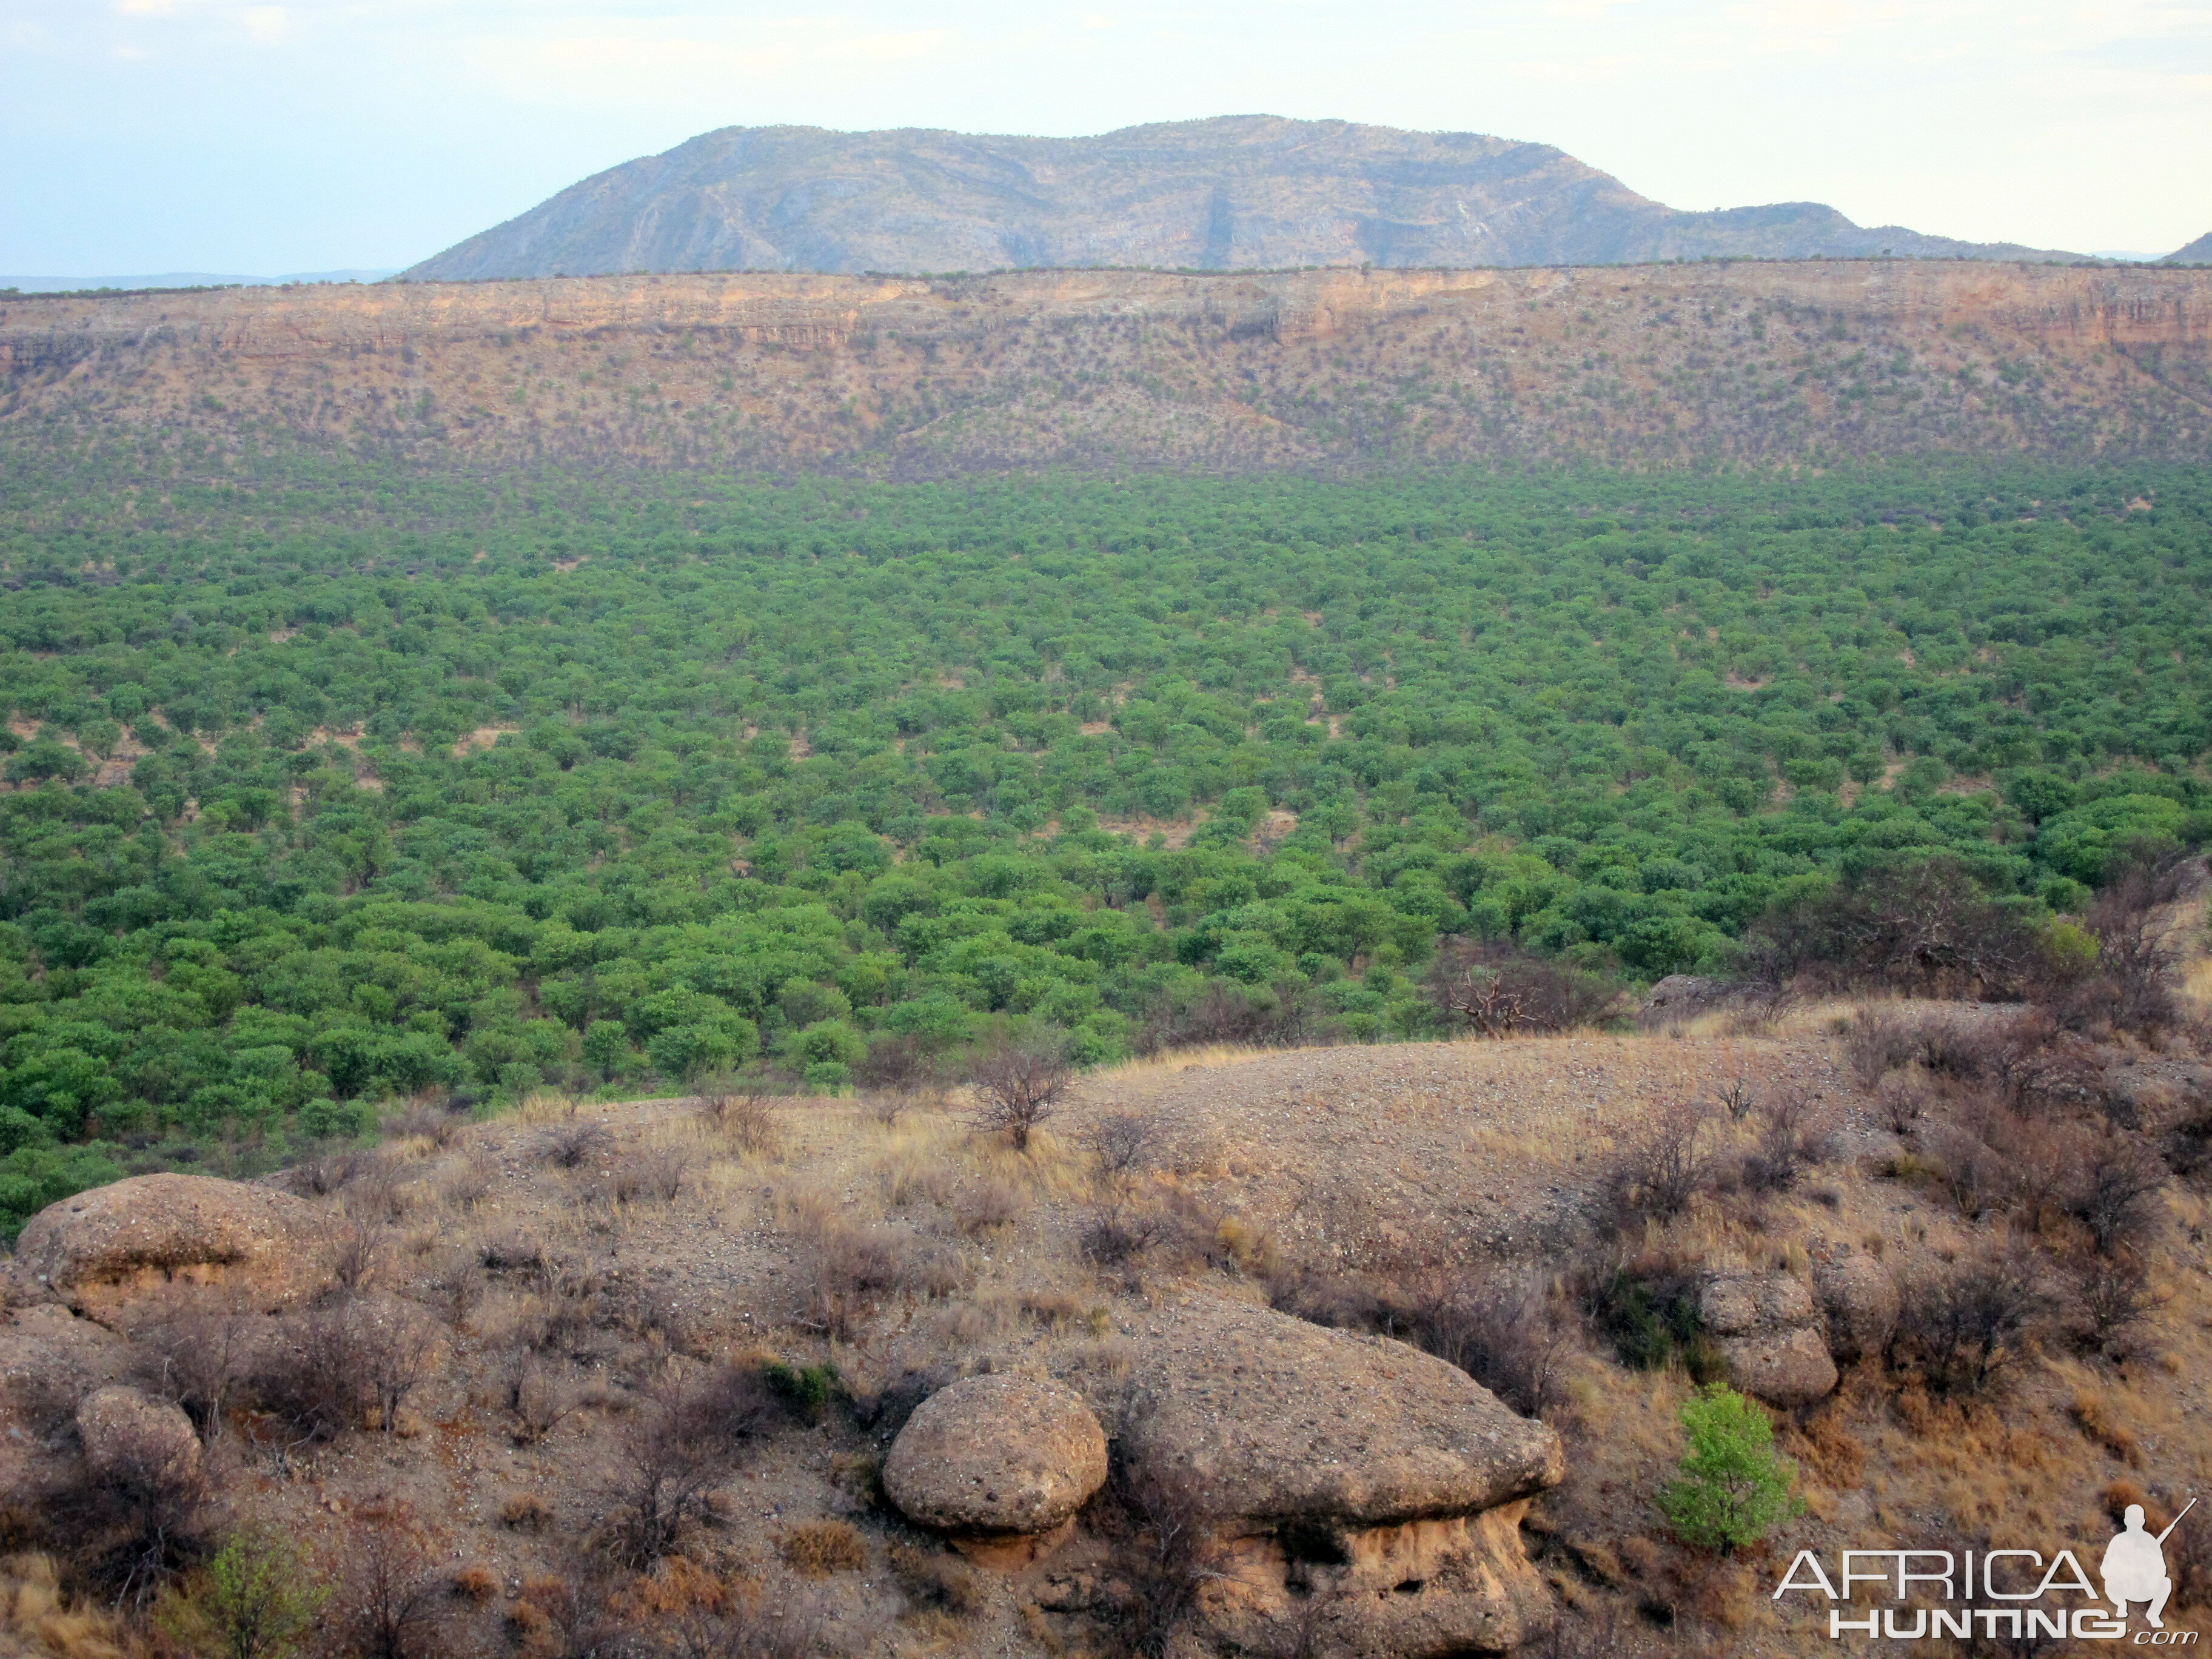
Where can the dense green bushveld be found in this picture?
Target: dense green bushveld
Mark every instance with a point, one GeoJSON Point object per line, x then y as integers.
{"type": "Point", "coordinates": [794, 774]}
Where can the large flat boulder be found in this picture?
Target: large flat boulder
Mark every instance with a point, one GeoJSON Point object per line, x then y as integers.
{"type": "Point", "coordinates": [994, 1455]}
{"type": "Point", "coordinates": [1861, 1301]}
{"type": "Point", "coordinates": [105, 1249]}
{"type": "Point", "coordinates": [1354, 1488]}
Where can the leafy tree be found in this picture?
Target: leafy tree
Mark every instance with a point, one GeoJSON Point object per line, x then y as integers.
{"type": "Point", "coordinates": [1732, 1488]}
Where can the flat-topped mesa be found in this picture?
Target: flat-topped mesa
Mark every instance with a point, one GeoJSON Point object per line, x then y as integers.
{"type": "Point", "coordinates": [1356, 1489]}
{"type": "Point", "coordinates": [1314, 369]}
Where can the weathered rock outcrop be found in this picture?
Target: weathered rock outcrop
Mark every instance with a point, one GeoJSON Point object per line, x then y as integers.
{"type": "Point", "coordinates": [1861, 1302]}
{"type": "Point", "coordinates": [126, 1432]}
{"type": "Point", "coordinates": [105, 1249]}
{"type": "Point", "coordinates": [1356, 1478]}
{"type": "Point", "coordinates": [1770, 1332]}
{"type": "Point", "coordinates": [992, 1458]}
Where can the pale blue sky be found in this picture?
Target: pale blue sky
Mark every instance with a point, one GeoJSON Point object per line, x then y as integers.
{"type": "Point", "coordinates": [295, 135]}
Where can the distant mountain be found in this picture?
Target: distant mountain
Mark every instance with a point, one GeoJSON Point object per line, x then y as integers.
{"type": "Point", "coordinates": [2198, 253]}
{"type": "Point", "coordinates": [1243, 191]}
{"type": "Point", "coordinates": [184, 279]}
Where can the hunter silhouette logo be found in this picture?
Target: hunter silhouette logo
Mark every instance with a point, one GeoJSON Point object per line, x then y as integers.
{"type": "Point", "coordinates": [2135, 1565]}
{"type": "Point", "coordinates": [2008, 1594]}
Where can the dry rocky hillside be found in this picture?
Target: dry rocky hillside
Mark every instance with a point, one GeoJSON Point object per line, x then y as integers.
{"type": "Point", "coordinates": [1347, 1351]}
{"type": "Point", "coordinates": [1326, 370]}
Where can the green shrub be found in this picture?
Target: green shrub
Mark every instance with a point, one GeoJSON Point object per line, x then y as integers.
{"type": "Point", "coordinates": [1732, 1488]}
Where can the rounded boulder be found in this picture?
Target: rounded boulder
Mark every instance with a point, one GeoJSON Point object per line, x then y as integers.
{"type": "Point", "coordinates": [125, 1432]}
{"type": "Point", "coordinates": [1003, 1453]}
{"type": "Point", "coordinates": [104, 1249]}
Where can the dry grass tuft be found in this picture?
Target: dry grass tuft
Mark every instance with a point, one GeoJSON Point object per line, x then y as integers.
{"type": "Point", "coordinates": [37, 1619]}
{"type": "Point", "coordinates": [815, 1549]}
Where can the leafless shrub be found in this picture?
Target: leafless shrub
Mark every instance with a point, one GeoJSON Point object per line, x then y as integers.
{"type": "Point", "coordinates": [985, 1206]}
{"type": "Point", "coordinates": [1925, 928]}
{"type": "Point", "coordinates": [1794, 1136]}
{"type": "Point", "coordinates": [2112, 1298]}
{"type": "Point", "coordinates": [1962, 1323]}
{"type": "Point", "coordinates": [1121, 1231]}
{"type": "Point", "coordinates": [356, 1253]}
{"type": "Point", "coordinates": [1020, 1085]}
{"type": "Point", "coordinates": [1737, 1099]}
{"type": "Point", "coordinates": [426, 1119]}
{"type": "Point", "coordinates": [1167, 1557]}
{"type": "Point", "coordinates": [2140, 939]}
{"type": "Point", "coordinates": [1503, 1326]}
{"type": "Point", "coordinates": [394, 1601]}
{"type": "Point", "coordinates": [2188, 1564]}
{"type": "Point", "coordinates": [742, 1117]}
{"type": "Point", "coordinates": [2115, 1190]}
{"type": "Point", "coordinates": [1971, 1172]}
{"type": "Point", "coordinates": [1284, 1016]}
{"type": "Point", "coordinates": [936, 1578]}
{"type": "Point", "coordinates": [536, 1403]}
{"type": "Point", "coordinates": [1903, 1100]}
{"type": "Point", "coordinates": [784, 1629]}
{"type": "Point", "coordinates": [1123, 1144]}
{"type": "Point", "coordinates": [139, 1519]}
{"type": "Point", "coordinates": [377, 1194]}
{"type": "Point", "coordinates": [1878, 1042]}
{"type": "Point", "coordinates": [198, 1354]}
{"type": "Point", "coordinates": [470, 1182]}
{"type": "Point", "coordinates": [572, 1145]}
{"type": "Point", "coordinates": [856, 1267]}
{"type": "Point", "coordinates": [647, 1175]}
{"type": "Point", "coordinates": [900, 1065]}
{"type": "Point", "coordinates": [684, 1440]}
{"type": "Point", "coordinates": [354, 1360]}
{"type": "Point", "coordinates": [1500, 991]}
{"type": "Point", "coordinates": [1658, 1171]}
{"type": "Point", "coordinates": [328, 1174]}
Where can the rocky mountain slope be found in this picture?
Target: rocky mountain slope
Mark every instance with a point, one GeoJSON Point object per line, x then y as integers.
{"type": "Point", "coordinates": [2198, 253]}
{"type": "Point", "coordinates": [1320, 370]}
{"type": "Point", "coordinates": [1239, 193]}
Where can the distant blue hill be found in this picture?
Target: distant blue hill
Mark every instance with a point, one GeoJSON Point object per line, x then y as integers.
{"type": "Point", "coordinates": [184, 279]}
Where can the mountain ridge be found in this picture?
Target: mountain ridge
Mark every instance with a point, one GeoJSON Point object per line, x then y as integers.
{"type": "Point", "coordinates": [1227, 194]}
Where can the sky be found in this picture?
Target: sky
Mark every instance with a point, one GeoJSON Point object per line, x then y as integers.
{"type": "Point", "coordinates": [268, 136]}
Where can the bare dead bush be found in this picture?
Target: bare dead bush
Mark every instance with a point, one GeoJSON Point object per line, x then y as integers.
{"type": "Point", "coordinates": [536, 1403]}
{"type": "Point", "coordinates": [328, 1174]}
{"type": "Point", "coordinates": [1123, 1145]}
{"type": "Point", "coordinates": [1121, 1231]}
{"type": "Point", "coordinates": [647, 1175]}
{"type": "Point", "coordinates": [1501, 990]}
{"type": "Point", "coordinates": [1020, 1085]}
{"type": "Point", "coordinates": [1657, 1171]}
{"type": "Point", "coordinates": [2112, 1300]}
{"type": "Point", "coordinates": [1504, 1327]}
{"type": "Point", "coordinates": [572, 1145]}
{"type": "Point", "coordinates": [1924, 928]}
{"type": "Point", "coordinates": [2140, 941]}
{"type": "Point", "coordinates": [1167, 1556]}
{"type": "Point", "coordinates": [134, 1523]}
{"type": "Point", "coordinates": [377, 1194]}
{"type": "Point", "coordinates": [1795, 1135]}
{"type": "Point", "coordinates": [1963, 1322]}
{"type": "Point", "coordinates": [2115, 1191]}
{"type": "Point", "coordinates": [198, 1353]}
{"type": "Point", "coordinates": [394, 1601]}
{"type": "Point", "coordinates": [856, 1267]}
{"type": "Point", "coordinates": [985, 1206]}
{"type": "Point", "coordinates": [351, 1362]}
{"type": "Point", "coordinates": [684, 1440]}
{"type": "Point", "coordinates": [1737, 1099]}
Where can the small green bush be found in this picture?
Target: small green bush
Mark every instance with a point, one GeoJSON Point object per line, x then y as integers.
{"type": "Point", "coordinates": [1733, 1488]}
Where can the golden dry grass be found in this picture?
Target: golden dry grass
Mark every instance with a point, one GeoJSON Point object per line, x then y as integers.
{"type": "Point", "coordinates": [37, 1619]}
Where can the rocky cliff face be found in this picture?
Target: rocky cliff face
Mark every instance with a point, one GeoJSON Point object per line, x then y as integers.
{"type": "Point", "coordinates": [1325, 370]}
{"type": "Point", "coordinates": [1240, 192]}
